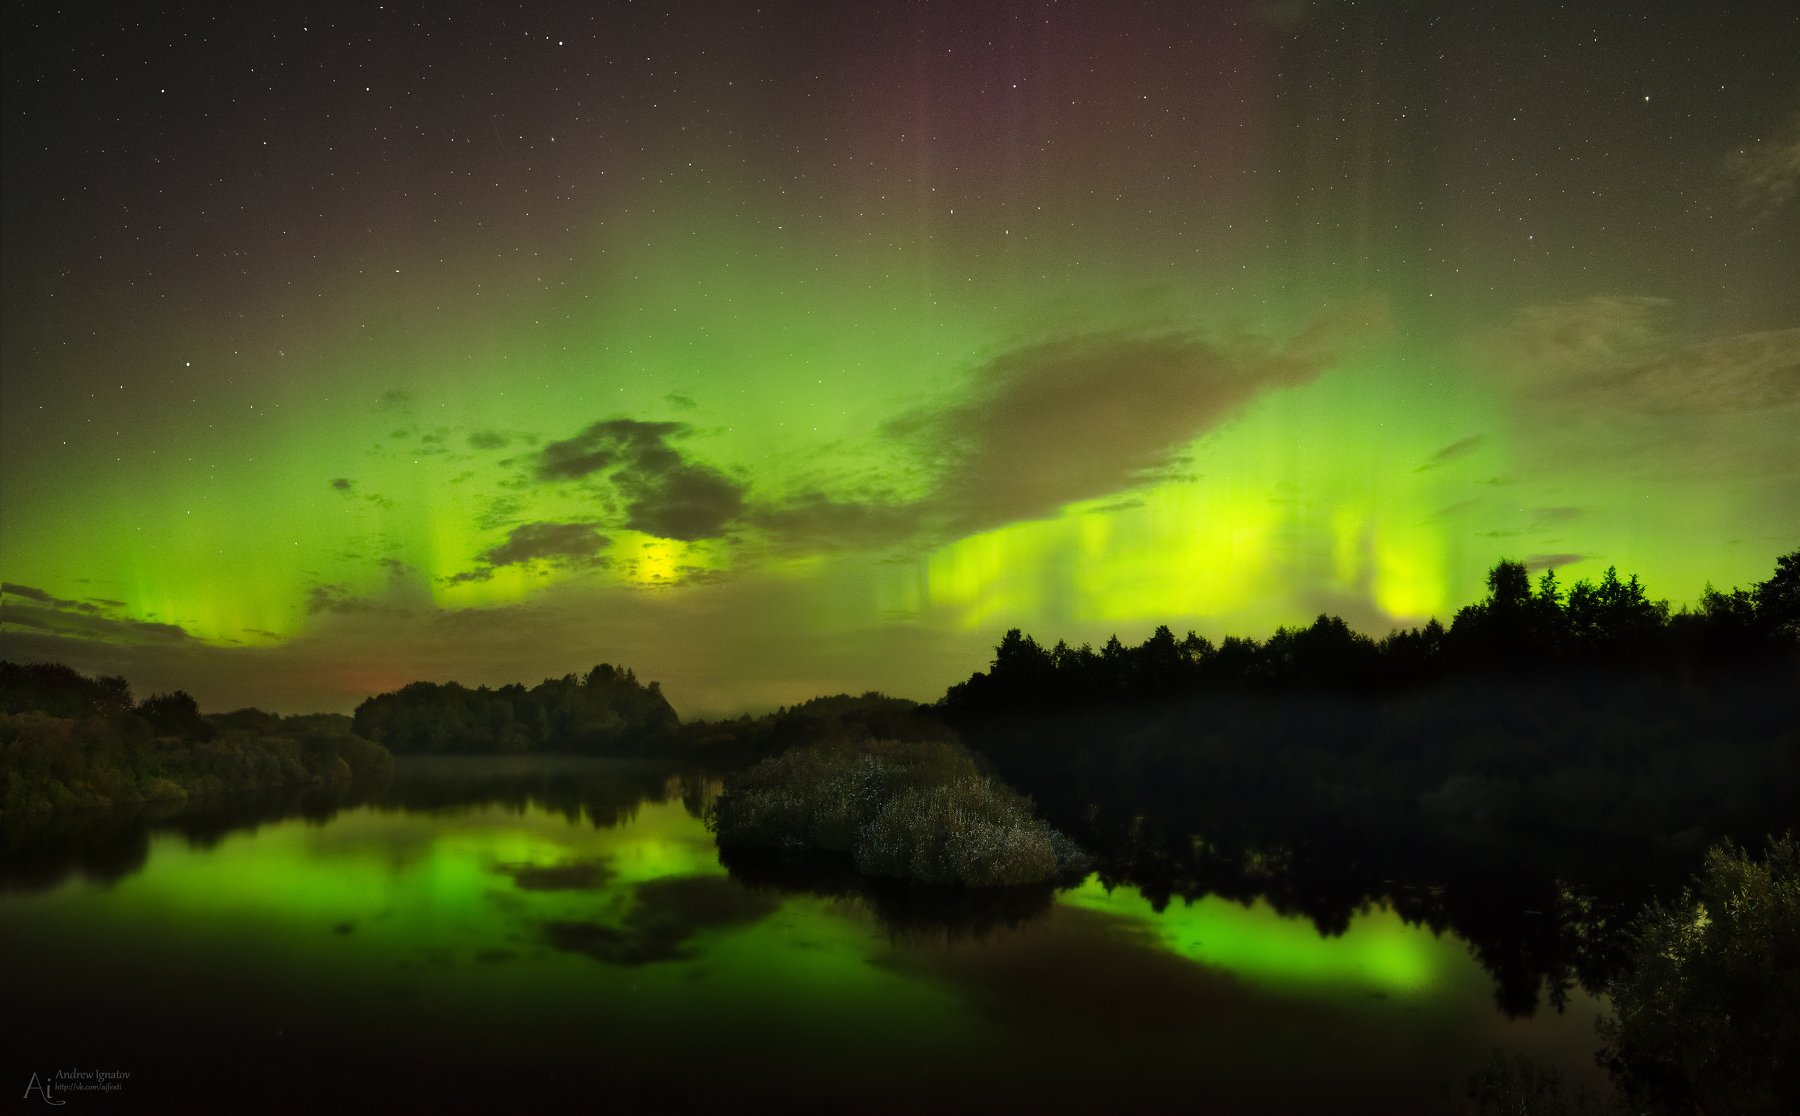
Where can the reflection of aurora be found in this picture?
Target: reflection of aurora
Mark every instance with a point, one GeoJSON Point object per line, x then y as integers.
{"type": "Point", "coordinates": [407, 879]}
{"type": "Point", "coordinates": [452, 882]}
{"type": "Point", "coordinates": [501, 937]}
{"type": "Point", "coordinates": [1379, 951]}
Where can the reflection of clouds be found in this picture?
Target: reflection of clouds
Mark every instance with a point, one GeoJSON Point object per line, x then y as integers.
{"type": "Point", "coordinates": [665, 915]}
{"type": "Point", "coordinates": [574, 875]}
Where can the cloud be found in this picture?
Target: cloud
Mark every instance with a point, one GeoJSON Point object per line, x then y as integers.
{"type": "Point", "coordinates": [1550, 517]}
{"type": "Point", "coordinates": [1115, 507]}
{"type": "Point", "coordinates": [1766, 172]}
{"type": "Point", "coordinates": [1552, 561]}
{"type": "Point", "coordinates": [664, 494]}
{"type": "Point", "coordinates": [1450, 511]}
{"type": "Point", "coordinates": [1082, 418]}
{"type": "Point", "coordinates": [680, 402]}
{"type": "Point", "coordinates": [1604, 385]}
{"type": "Point", "coordinates": [1538, 521]}
{"type": "Point", "coordinates": [336, 597]}
{"type": "Point", "coordinates": [98, 620]}
{"type": "Point", "coordinates": [1746, 372]}
{"type": "Point", "coordinates": [815, 521]}
{"type": "Point", "coordinates": [343, 484]}
{"type": "Point", "coordinates": [489, 440]}
{"type": "Point", "coordinates": [1057, 422]}
{"type": "Point", "coordinates": [1613, 351]}
{"type": "Point", "coordinates": [1453, 451]}
{"type": "Point", "coordinates": [557, 545]}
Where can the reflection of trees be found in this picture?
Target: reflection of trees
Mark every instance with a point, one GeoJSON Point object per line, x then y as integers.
{"type": "Point", "coordinates": [1543, 914]}
{"type": "Point", "coordinates": [38, 852]}
{"type": "Point", "coordinates": [44, 850]}
{"type": "Point", "coordinates": [903, 910]}
{"type": "Point", "coordinates": [601, 793]}
{"type": "Point", "coordinates": [41, 851]}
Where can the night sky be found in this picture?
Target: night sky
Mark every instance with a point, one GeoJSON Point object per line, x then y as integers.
{"type": "Point", "coordinates": [787, 349]}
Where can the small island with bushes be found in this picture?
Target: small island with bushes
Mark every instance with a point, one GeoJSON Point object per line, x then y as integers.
{"type": "Point", "coordinates": [921, 811]}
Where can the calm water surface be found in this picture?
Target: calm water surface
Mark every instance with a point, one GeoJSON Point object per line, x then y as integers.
{"type": "Point", "coordinates": [546, 948]}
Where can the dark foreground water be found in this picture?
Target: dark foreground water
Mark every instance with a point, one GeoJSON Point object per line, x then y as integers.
{"type": "Point", "coordinates": [572, 939]}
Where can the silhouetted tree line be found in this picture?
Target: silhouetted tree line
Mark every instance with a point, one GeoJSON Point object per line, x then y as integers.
{"type": "Point", "coordinates": [605, 712]}
{"type": "Point", "coordinates": [1610, 626]}
{"type": "Point", "coordinates": [581, 791]}
{"type": "Point", "coordinates": [837, 719]}
{"type": "Point", "coordinates": [70, 741]}
{"type": "Point", "coordinates": [55, 689]}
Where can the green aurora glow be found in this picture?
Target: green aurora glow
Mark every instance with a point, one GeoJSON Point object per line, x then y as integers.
{"type": "Point", "coordinates": [1079, 336]}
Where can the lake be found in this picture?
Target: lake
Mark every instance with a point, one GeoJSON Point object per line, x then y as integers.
{"type": "Point", "coordinates": [536, 935]}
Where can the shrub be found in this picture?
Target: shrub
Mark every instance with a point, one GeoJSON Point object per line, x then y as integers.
{"type": "Point", "coordinates": [917, 811]}
{"type": "Point", "coordinates": [972, 831]}
{"type": "Point", "coordinates": [158, 789]}
{"type": "Point", "coordinates": [1708, 1019]}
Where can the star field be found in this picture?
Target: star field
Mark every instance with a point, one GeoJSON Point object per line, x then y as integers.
{"type": "Point", "coordinates": [798, 348]}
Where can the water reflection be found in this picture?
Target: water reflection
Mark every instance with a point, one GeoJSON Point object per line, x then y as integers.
{"type": "Point", "coordinates": [575, 931]}
{"type": "Point", "coordinates": [1239, 889]}
{"type": "Point", "coordinates": [904, 911]}
{"type": "Point", "coordinates": [662, 917]}
{"type": "Point", "coordinates": [104, 846]}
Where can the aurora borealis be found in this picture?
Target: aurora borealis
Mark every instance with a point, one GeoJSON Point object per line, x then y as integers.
{"type": "Point", "coordinates": [791, 349]}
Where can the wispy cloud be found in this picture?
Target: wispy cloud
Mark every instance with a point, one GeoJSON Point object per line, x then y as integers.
{"type": "Point", "coordinates": [1605, 384]}
{"type": "Point", "coordinates": [95, 619]}
{"type": "Point", "coordinates": [1615, 351]}
{"type": "Point", "coordinates": [1452, 452]}
{"type": "Point", "coordinates": [1766, 172]}
{"type": "Point", "coordinates": [554, 545]}
{"type": "Point", "coordinates": [1553, 561]}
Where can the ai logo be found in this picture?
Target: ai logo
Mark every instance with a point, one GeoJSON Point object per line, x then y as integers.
{"type": "Point", "coordinates": [43, 1090]}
